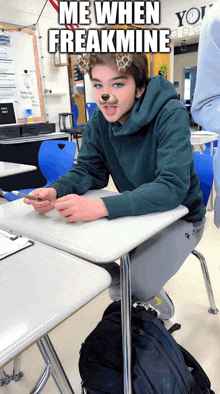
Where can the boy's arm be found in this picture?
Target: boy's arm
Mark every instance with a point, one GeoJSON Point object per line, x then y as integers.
{"type": "Point", "coordinates": [75, 208]}
{"type": "Point", "coordinates": [174, 163]}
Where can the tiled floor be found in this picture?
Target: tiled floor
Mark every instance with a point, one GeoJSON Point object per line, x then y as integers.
{"type": "Point", "coordinates": [200, 332]}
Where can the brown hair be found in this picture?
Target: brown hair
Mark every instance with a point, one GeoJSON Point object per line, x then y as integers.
{"type": "Point", "coordinates": [138, 68]}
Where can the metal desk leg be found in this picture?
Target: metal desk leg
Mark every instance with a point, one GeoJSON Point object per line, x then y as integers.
{"type": "Point", "coordinates": [211, 201]}
{"type": "Point", "coordinates": [212, 189]}
{"type": "Point", "coordinates": [54, 368]}
{"type": "Point", "coordinates": [4, 378]}
{"type": "Point", "coordinates": [17, 374]}
{"type": "Point", "coordinates": [213, 309]}
{"type": "Point", "coordinates": [77, 142]}
{"type": "Point", "coordinates": [126, 321]}
{"type": "Point", "coordinates": [39, 386]}
{"type": "Point", "coordinates": [211, 148]}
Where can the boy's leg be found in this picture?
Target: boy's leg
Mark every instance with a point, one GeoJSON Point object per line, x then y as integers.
{"type": "Point", "coordinates": [155, 261]}
{"type": "Point", "coordinates": [158, 259]}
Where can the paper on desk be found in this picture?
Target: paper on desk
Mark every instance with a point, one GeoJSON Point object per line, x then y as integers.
{"type": "Point", "coordinates": [10, 244]}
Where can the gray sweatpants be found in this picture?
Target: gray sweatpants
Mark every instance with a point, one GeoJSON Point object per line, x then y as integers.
{"type": "Point", "coordinates": [155, 261]}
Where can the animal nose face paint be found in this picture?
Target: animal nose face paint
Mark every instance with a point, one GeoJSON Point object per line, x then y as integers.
{"type": "Point", "coordinates": [108, 99]}
{"type": "Point", "coordinates": [105, 97]}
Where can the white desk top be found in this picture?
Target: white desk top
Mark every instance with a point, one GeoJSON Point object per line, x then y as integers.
{"type": "Point", "coordinates": [102, 240]}
{"type": "Point", "coordinates": [7, 168]}
{"type": "Point", "coordinates": [39, 288]}
{"type": "Point", "coordinates": [39, 137]}
{"type": "Point", "coordinates": [203, 137]}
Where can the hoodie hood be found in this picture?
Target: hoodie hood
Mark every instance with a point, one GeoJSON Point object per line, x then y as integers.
{"type": "Point", "coordinates": [158, 92]}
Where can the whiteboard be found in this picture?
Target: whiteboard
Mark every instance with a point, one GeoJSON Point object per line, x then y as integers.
{"type": "Point", "coordinates": [20, 80]}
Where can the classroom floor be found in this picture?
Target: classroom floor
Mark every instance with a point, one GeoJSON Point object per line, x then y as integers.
{"type": "Point", "coordinates": [199, 333]}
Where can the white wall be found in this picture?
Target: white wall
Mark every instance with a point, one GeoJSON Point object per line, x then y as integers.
{"type": "Point", "coordinates": [170, 19]}
{"type": "Point", "coordinates": [25, 13]}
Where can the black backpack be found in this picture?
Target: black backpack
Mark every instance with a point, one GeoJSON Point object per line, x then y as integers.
{"type": "Point", "coordinates": [159, 364]}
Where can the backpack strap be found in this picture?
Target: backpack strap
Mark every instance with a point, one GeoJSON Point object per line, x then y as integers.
{"type": "Point", "coordinates": [174, 327]}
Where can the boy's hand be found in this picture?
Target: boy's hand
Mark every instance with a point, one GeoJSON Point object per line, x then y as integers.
{"type": "Point", "coordinates": [75, 208]}
{"type": "Point", "coordinates": [48, 194]}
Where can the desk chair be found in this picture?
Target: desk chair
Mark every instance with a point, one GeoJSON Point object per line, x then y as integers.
{"type": "Point", "coordinates": [74, 129]}
{"type": "Point", "coordinates": [55, 158]}
{"type": "Point", "coordinates": [90, 108]}
{"type": "Point", "coordinates": [204, 168]}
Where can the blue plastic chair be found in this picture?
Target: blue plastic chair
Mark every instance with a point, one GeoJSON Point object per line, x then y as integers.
{"type": "Point", "coordinates": [55, 158]}
{"type": "Point", "coordinates": [203, 165]}
{"type": "Point", "coordinates": [90, 108]}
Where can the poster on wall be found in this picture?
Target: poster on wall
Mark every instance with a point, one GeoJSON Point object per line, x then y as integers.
{"type": "Point", "coordinates": [29, 92]}
{"type": "Point", "coordinates": [8, 84]}
{"type": "Point", "coordinates": [18, 80]}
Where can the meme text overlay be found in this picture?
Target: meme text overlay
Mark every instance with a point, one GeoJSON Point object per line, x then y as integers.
{"type": "Point", "coordinates": [107, 13]}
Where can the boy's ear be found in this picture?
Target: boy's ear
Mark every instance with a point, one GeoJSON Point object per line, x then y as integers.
{"type": "Point", "coordinates": [139, 92]}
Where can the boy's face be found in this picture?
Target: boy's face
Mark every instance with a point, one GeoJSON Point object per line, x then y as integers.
{"type": "Point", "coordinates": [114, 92]}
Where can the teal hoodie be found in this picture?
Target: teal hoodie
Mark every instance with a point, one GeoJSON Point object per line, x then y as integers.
{"type": "Point", "coordinates": [150, 158]}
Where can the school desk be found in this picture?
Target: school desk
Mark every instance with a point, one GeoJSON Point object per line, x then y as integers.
{"type": "Point", "coordinates": [40, 287]}
{"type": "Point", "coordinates": [7, 169]}
{"type": "Point", "coordinates": [200, 138]}
{"type": "Point", "coordinates": [25, 150]}
{"type": "Point", "coordinates": [98, 241]}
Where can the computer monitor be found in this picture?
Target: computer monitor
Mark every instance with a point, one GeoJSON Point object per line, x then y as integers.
{"type": "Point", "coordinates": [7, 114]}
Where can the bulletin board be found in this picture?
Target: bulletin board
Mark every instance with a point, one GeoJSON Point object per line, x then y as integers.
{"type": "Point", "coordinates": [20, 80]}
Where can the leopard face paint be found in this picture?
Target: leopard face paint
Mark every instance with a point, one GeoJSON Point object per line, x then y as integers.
{"type": "Point", "coordinates": [123, 60]}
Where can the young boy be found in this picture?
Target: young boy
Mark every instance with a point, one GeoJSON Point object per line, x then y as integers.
{"type": "Point", "coordinates": [140, 135]}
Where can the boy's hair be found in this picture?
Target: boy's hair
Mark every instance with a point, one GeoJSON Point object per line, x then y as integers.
{"type": "Point", "coordinates": [138, 68]}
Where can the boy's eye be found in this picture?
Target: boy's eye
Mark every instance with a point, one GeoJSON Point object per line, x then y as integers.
{"type": "Point", "coordinates": [97, 85]}
{"type": "Point", "coordinates": [118, 85]}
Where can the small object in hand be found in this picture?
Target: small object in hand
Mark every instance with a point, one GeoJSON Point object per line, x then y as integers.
{"type": "Point", "coordinates": [29, 196]}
